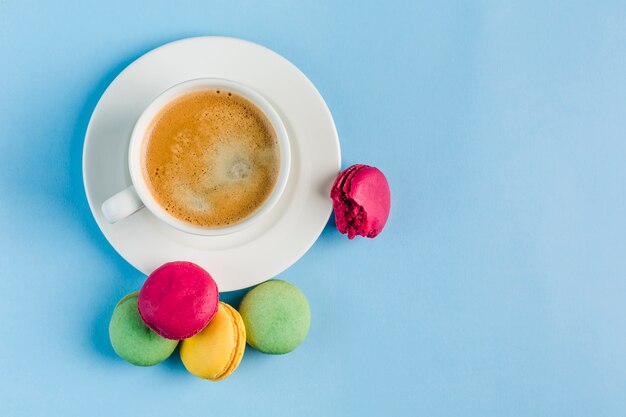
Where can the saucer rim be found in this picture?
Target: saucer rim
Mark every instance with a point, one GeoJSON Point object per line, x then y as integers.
{"type": "Point", "coordinates": [96, 114]}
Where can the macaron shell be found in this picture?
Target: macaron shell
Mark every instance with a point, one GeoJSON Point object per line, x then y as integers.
{"type": "Point", "coordinates": [240, 346]}
{"type": "Point", "coordinates": [216, 351]}
{"type": "Point", "coordinates": [133, 294]}
{"type": "Point", "coordinates": [347, 184]}
{"type": "Point", "coordinates": [132, 340]}
{"type": "Point", "coordinates": [277, 317]}
{"type": "Point", "coordinates": [370, 190]}
{"type": "Point", "coordinates": [178, 300]}
{"type": "Point", "coordinates": [361, 201]}
{"type": "Point", "coordinates": [342, 177]}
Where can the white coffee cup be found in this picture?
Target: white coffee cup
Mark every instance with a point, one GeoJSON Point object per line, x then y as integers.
{"type": "Point", "coordinates": [138, 196]}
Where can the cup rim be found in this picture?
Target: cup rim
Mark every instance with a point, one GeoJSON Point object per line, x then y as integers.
{"type": "Point", "coordinates": [166, 97]}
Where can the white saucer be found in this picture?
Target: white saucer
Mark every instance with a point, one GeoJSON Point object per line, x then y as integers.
{"type": "Point", "coordinates": [280, 238]}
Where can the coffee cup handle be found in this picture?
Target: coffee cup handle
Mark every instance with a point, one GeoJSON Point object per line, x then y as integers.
{"type": "Point", "coordinates": [121, 205]}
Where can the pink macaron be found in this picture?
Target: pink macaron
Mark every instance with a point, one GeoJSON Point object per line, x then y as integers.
{"type": "Point", "coordinates": [178, 300]}
{"type": "Point", "coordinates": [361, 201]}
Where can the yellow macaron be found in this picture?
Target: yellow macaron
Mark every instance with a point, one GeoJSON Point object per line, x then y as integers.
{"type": "Point", "coordinates": [216, 351]}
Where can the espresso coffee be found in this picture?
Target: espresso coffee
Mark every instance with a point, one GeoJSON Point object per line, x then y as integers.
{"type": "Point", "coordinates": [211, 158]}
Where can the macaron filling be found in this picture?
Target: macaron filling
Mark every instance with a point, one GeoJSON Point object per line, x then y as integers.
{"type": "Point", "coordinates": [351, 218]}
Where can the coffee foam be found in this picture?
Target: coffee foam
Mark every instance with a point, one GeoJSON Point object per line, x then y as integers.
{"type": "Point", "coordinates": [211, 159]}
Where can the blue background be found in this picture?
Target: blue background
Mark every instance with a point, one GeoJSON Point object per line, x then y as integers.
{"type": "Point", "coordinates": [498, 287]}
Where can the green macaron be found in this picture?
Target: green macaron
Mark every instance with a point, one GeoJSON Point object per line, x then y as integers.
{"type": "Point", "coordinates": [132, 340]}
{"type": "Point", "coordinates": [277, 317]}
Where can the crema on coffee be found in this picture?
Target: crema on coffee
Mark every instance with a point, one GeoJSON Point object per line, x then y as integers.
{"type": "Point", "coordinates": [211, 158]}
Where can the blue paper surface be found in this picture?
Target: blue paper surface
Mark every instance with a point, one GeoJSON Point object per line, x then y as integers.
{"type": "Point", "coordinates": [498, 287]}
